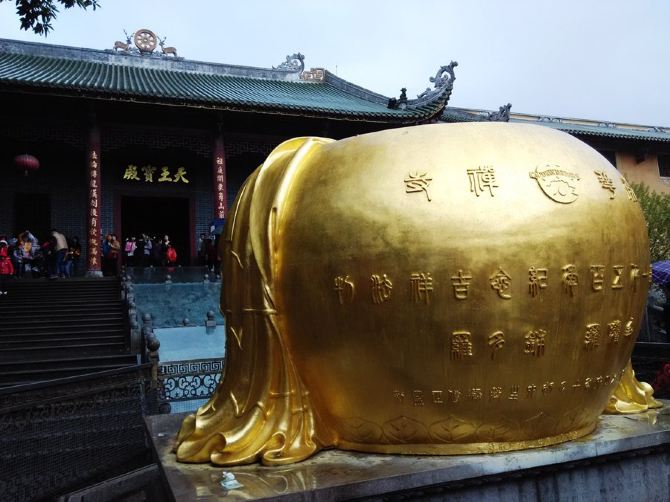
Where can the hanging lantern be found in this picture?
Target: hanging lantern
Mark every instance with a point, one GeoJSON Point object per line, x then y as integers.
{"type": "Point", "coordinates": [27, 163]}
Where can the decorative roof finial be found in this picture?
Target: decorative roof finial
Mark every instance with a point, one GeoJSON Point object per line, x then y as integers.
{"type": "Point", "coordinates": [166, 50]}
{"type": "Point", "coordinates": [502, 115]}
{"type": "Point", "coordinates": [444, 77]}
{"type": "Point", "coordinates": [145, 43]}
{"type": "Point", "coordinates": [294, 63]}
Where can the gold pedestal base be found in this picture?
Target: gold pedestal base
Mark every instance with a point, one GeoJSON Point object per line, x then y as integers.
{"type": "Point", "coordinates": [465, 448]}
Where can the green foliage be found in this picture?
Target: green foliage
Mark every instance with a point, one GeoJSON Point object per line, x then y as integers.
{"type": "Point", "coordinates": [37, 15]}
{"type": "Point", "coordinates": [656, 209]}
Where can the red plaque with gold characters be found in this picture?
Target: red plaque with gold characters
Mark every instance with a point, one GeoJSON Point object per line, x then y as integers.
{"type": "Point", "coordinates": [439, 289]}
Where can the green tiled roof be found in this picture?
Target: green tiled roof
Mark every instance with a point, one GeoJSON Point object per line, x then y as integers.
{"type": "Point", "coordinates": [105, 75]}
{"type": "Point", "coordinates": [572, 126]}
{"type": "Point", "coordinates": [608, 130]}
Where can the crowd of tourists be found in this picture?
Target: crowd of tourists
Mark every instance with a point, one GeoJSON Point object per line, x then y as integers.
{"type": "Point", "coordinates": [142, 251]}
{"type": "Point", "coordinates": [25, 255]}
{"type": "Point", "coordinates": [58, 256]}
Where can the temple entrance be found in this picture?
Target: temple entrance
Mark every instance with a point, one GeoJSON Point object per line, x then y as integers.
{"type": "Point", "coordinates": [158, 216]}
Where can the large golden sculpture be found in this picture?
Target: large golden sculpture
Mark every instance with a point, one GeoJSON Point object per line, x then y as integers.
{"type": "Point", "coordinates": [438, 289]}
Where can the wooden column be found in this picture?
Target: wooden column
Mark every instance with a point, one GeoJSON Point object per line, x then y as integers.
{"type": "Point", "coordinates": [93, 233]}
{"type": "Point", "coordinates": [219, 174]}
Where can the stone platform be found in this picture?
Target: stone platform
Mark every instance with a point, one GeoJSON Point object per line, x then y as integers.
{"type": "Point", "coordinates": [626, 458]}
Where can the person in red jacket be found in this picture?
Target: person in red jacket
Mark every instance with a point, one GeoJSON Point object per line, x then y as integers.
{"type": "Point", "coordinates": [171, 255]}
{"type": "Point", "coordinates": [6, 267]}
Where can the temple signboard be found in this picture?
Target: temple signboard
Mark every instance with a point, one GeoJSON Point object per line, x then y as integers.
{"type": "Point", "coordinates": [153, 174]}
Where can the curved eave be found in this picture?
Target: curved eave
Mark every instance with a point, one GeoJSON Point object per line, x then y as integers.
{"type": "Point", "coordinates": [609, 132]}
{"type": "Point", "coordinates": [241, 106]}
{"type": "Point", "coordinates": [615, 131]}
{"type": "Point", "coordinates": [425, 109]}
{"type": "Point", "coordinates": [98, 80]}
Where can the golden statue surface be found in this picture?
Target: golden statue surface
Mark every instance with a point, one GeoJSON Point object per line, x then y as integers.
{"type": "Point", "coordinates": [439, 289]}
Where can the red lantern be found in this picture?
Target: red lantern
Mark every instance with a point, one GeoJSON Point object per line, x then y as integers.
{"type": "Point", "coordinates": [27, 163]}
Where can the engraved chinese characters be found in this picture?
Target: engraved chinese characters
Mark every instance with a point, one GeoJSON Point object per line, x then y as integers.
{"type": "Point", "coordinates": [417, 291]}
{"type": "Point", "coordinates": [460, 285]}
{"type": "Point", "coordinates": [219, 185]}
{"type": "Point", "coordinates": [544, 390]}
{"type": "Point", "coordinates": [94, 206]}
{"type": "Point", "coordinates": [558, 184]}
{"type": "Point", "coordinates": [150, 174]}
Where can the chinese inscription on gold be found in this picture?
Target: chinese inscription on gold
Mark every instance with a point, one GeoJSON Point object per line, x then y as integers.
{"type": "Point", "coordinates": [417, 183]}
{"type": "Point", "coordinates": [482, 179]}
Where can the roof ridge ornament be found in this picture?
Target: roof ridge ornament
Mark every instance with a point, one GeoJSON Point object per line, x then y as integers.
{"type": "Point", "coordinates": [547, 118]}
{"type": "Point", "coordinates": [145, 42]}
{"type": "Point", "coordinates": [444, 77]}
{"type": "Point", "coordinates": [502, 115]}
{"type": "Point", "coordinates": [314, 75]}
{"type": "Point", "coordinates": [294, 63]}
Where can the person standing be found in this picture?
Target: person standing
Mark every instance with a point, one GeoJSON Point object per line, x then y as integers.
{"type": "Point", "coordinates": [165, 244]}
{"type": "Point", "coordinates": [60, 252]}
{"type": "Point", "coordinates": [210, 255]}
{"type": "Point", "coordinates": [114, 255]}
{"type": "Point", "coordinates": [156, 252]}
{"type": "Point", "coordinates": [75, 251]}
{"type": "Point", "coordinates": [6, 267]}
{"type": "Point", "coordinates": [16, 256]}
{"type": "Point", "coordinates": [129, 252]}
{"type": "Point", "coordinates": [170, 255]}
{"type": "Point", "coordinates": [29, 246]}
{"type": "Point", "coordinates": [202, 249]}
{"type": "Point", "coordinates": [148, 245]}
{"type": "Point", "coordinates": [138, 256]}
{"type": "Point", "coordinates": [67, 264]}
{"type": "Point", "coordinates": [48, 251]}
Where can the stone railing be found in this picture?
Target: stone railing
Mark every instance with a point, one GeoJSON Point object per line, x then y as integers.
{"type": "Point", "coordinates": [60, 434]}
{"type": "Point", "coordinates": [188, 380]}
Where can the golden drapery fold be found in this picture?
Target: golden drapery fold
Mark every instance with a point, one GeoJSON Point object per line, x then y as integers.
{"type": "Point", "coordinates": [631, 396]}
{"type": "Point", "coordinates": [265, 412]}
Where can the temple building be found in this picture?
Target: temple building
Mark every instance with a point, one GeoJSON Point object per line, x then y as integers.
{"type": "Point", "coordinates": [136, 140]}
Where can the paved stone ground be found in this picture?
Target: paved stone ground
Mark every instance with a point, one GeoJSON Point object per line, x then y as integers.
{"type": "Point", "coordinates": [169, 304]}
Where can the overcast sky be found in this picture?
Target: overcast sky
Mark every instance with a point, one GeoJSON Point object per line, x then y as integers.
{"type": "Point", "coordinates": [602, 60]}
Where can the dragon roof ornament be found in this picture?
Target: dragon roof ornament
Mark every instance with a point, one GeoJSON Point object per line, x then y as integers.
{"type": "Point", "coordinates": [502, 115]}
{"type": "Point", "coordinates": [437, 97]}
{"type": "Point", "coordinates": [443, 79]}
{"type": "Point", "coordinates": [294, 63]}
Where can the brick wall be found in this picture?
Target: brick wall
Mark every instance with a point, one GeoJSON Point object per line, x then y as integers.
{"type": "Point", "coordinates": [60, 150]}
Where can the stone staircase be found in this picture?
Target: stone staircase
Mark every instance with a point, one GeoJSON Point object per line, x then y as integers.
{"type": "Point", "coordinates": [72, 393]}
{"type": "Point", "coordinates": [62, 328]}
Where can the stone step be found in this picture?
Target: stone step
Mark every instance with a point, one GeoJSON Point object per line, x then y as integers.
{"type": "Point", "coordinates": [51, 340]}
{"type": "Point", "coordinates": [64, 305]}
{"type": "Point", "coordinates": [28, 282]}
{"type": "Point", "coordinates": [51, 329]}
{"type": "Point", "coordinates": [10, 297]}
{"type": "Point", "coordinates": [69, 326]}
{"type": "Point", "coordinates": [48, 363]}
{"type": "Point", "coordinates": [79, 348]}
{"type": "Point", "coordinates": [71, 320]}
